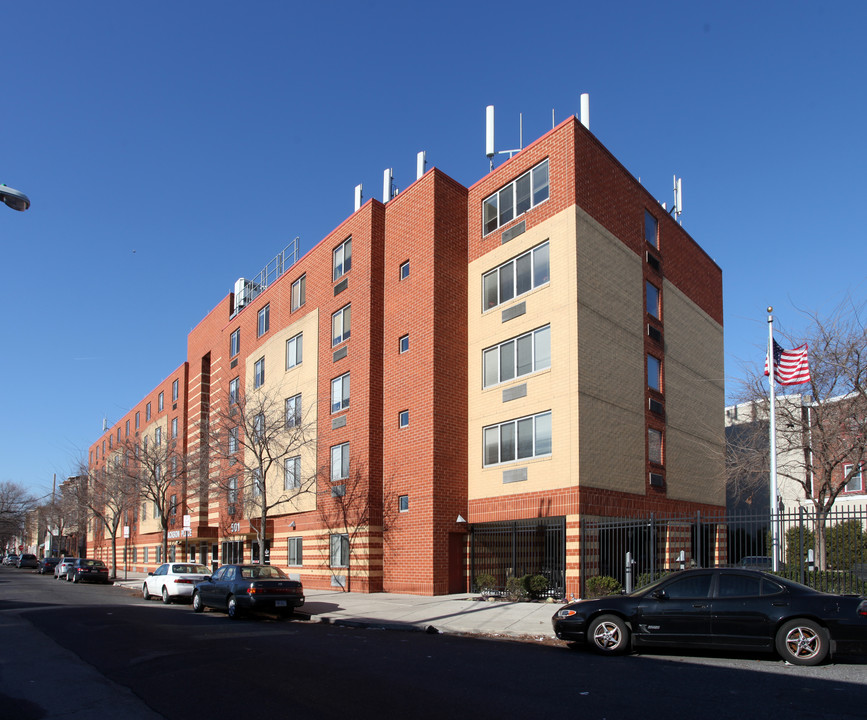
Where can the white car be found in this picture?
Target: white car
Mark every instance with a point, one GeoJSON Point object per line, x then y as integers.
{"type": "Point", "coordinates": [173, 580]}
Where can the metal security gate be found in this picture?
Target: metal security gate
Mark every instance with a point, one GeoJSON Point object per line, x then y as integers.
{"type": "Point", "coordinates": [522, 547]}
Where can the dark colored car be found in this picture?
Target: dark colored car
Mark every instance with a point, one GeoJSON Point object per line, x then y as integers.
{"type": "Point", "coordinates": [47, 565]}
{"type": "Point", "coordinates": [27, 560]}
{"type": "Point", "coordinates": [723, 608]}
{"type": "Point", "coordinates": [87, 570]}
{"type": "Point", "coordinates": [235, 588]}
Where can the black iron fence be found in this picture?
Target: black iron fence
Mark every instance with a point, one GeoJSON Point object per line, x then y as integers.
{"type": "Point", "coordinates": [827, 552]}
{"type": "Point", "coordinates": [505, 550]}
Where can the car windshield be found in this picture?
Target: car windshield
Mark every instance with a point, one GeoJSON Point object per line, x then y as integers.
{"type": "Point", "coordinates": [265, 571]}
{"type": "Point", "coordinates": [190, 569]}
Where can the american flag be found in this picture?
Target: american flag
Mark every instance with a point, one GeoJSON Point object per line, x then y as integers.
{"type": "Point", "coordinates": [790, 366]}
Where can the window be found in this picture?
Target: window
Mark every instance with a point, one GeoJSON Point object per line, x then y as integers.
{"type": "Point", "coordinates": [516, 277]}
{"type": "Point", "coordinates": [518, 356]}
{"type": "Point", "coordinates": [110, 442]}
{"type": "Point", "coordinates": [692, 586]}
{"type": "Point", "coordinates": [404, 270]}
{"type": "Point", "coordinates": [294, 351]}
{"type": "Point", "coordinates": [340, 325]}
{"type": "Point", "coordinates": [404, 344]}
{"type": "Point", "coordinates": [174, 428]}
{"type": "Point", "coordinates": [145, 555]}
{"type": "Point", "coordinates": [856, 481]}
{"type": "Point", "coordinates": [339, 550]}
{"type": "Point", "coordinates": [175, 391]}
{"type": "Point", "coordinates": [137, 421]}
{"type": "Point", "coordinates": [651, 229]}
{"type": "Point", "coordinates": [158, 436]}
{"type": "Point", "coordinates": [654, 446]}
{"type": "Point", "coordinates": [160, 399]}
{"type": "Point", "coordinates": [292, 473]}
{"type": "Point", "coordinates": [518, 439]}
{"type": "Point", "coordinates": [233, 391]}
{"type": "Point", "coordinates": [233, 440]}
{"type": "Point", "coordinates": [516, 198]}
{"type": "Point", "coordinates": [232, 491]}
{"type": "Point", "coordinates": [264, 321]}
{"type": "Point", "coordinates": [259, 427]}
{"type": "Point", "coordinates": [295, 552]}
{"type": "Point", "coordinates": [126, 431]}
{"type": "Point", "coordinates": [403, 503]}
{"type": "Point", "coordinates": [147, 412]}
{"type": "Point", "coordinates": [654, 373]}
{"type": "Point", "coordinates": [342, 259]}
{"type": "Point", "coordinates": [299, 292]}
{"type": "Point", "coordinates": [257, 482]}
{"type": "Point", "coordinates": [173, 505]}
{"type": "Point", "coordinates": [259, 373]}
{"type": "Point", "coordinates": [293, 411]}
{"type": "Point", "coordinates": [340, 462]}
{"type": "Point", "coordinates": [144, 511]}
{"type": "Point", "coordinates": [235, 342]}
{"type": "Point", "coordinates": [403, 419]}
{"type": "Point", "coordinates": [652, 300]}
{"type": "Point", "coordinates": [340, 393]}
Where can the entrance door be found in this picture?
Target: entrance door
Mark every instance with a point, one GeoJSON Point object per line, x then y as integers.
{"type": "Point", "coordinates": [457, 563]}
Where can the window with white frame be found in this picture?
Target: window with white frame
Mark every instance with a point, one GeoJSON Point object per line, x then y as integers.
{"type": "Point", "coordinates": [339, 546]}
{"type": "Point", "coordinates": [299, 292]}
{"type": "Point", "coordinates": [137, 420]}
{"type": "Point", "coordinates": [654, 446]}
{"type": "Point", "coordinates": [342, 259]}
{"type": "Point", "coordinates": [654, 373]}
{"type": "Point", "coordinates": [174, 428]}
{"type": "Point", "coordinates": [518, 439]}
{"type": "Point", "coordinates": [522, 194]}
{"type": "Point", "coordinates": [232, 490]}
{"type": "Point", "coordinates": [517, 276]}
{"type": "Point", "coordinates": [404, 344]}
{"type": "Point", "coordinates": [259, 427]}
{"type": "Point", "coordinates": [235, 342]}
{"type": "Point", "coordinates": [340, 462]}
{"type": "Point", "coordinates": [257, 482]}
{"type": "Point", "coordinates": [234, 388]}
{"type": "Point", "coordinates": [158, 436]}
{"type": "Point", "coordinates": [404, 270]}
{"type": "Point", "coordinates": [264, 321]}
{"type": "Point", "coordinates": [147, 412]}
{"type": "Point", "coordinates": [516, 357]}
{"type": "Point", "coordinates": [293, 411]}
{"type": "Point", "coordinates": [233, 440]}
{"type": "Point", "coordinates": [340, 393]}
{"type": "Point", "coordinates": [160, 402]}
{"type": "Point", "coordinates": [174, 391]}
{"type": "Point", "coordinates": [294, 350]}
{"type": "Point", "coordinates": [340, 322]}
{"type": "Point", "coordinates": [259, 373]}
{"type": "Point", "coordinates": [856, 481]}
{"type": "Point", "coordinates": [403, 503]}
{"type": "Point", "coordinates": [403, 419]}
{"type": "Point", "coordinates": [292, 473]}
{"type": "Point", "coordinates": [295, 552]}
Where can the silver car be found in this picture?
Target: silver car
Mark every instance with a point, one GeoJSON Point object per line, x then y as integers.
{"type": "Point", "coordinates": [173, 580]}
{"type": "Point", "coordinates": [63, 566]}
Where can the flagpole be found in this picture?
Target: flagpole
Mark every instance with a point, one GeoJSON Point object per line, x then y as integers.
{"type": "Point", "coordinates": [775, 540]}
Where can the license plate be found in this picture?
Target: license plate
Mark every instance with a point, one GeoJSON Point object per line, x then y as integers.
{"type": "Point", "coordinates": [279, 603]}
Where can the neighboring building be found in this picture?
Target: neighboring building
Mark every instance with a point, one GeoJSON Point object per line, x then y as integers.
{"type": "Point", "coordinates": [541, 348]}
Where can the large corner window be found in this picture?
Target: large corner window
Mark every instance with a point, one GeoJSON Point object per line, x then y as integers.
{"type": "Point", "coordinates": [516, 198]}
{"type": "Point", "coordinates": [516, 277]}
{"type": "Point", "coordinates": [517, 357]}
{"type": "Point", "coordinates": [520, 439]}
{"type": "Point", "coordinates": [342, 259]}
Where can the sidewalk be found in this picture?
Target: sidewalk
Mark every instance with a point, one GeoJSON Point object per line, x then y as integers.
{"type": "Point", "coordinates": [443, 613]}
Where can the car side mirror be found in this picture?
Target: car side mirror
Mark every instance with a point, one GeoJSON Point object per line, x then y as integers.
{"type": "Point", "coordinates": [207, 578]}
{"type": "Point", "coordinates": [150, 574]}
{"type": "Point", "coordinates": [658, 595]}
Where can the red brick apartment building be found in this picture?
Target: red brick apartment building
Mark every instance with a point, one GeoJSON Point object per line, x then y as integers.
{"type": "Point", "coordinates": [538, 349]}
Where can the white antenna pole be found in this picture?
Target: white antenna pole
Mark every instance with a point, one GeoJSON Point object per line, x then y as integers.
{"type": "Point", "coordinates": [489, 134]}
{"type": "Point", "coordinates": [679, 196]}
{"type": "Point", "coordinates": [553, 124]}
{"type": "Point", "coordinates": [420, 163]}
{"type": "Point", "coordinates": [357, 197]}
{"type": "Point", "coordinates": [521, 131]}
{"type": "Point", "coordinates": [775, 539]}
{"type": "Point", "coordinates": [386, 185]}
{"type": "Point", "coordinates": [585, 110]}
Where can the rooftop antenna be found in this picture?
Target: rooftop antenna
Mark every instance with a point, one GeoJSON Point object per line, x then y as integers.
{"type": "Point", "coordinates": [420, 164]}
{"type": "Point", "coordinates": [677, 205]}
{"type": "Point", "coordinates": [489, 136]}
{"type": "Point", "coordinates": [357, 197]}
{"type": "Point", "coordinates": [387, 179]}
{"type": "Point", "coordinates": [585, 110]}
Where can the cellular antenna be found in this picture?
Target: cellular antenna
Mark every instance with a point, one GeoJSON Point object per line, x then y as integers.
{"type": "Point", "coordinates": [677, 205]}
{"type": "Point", "coordinates": [489, 134]}
{"type": "Point", "coordinates": [585, 110]}
{"type": "Point", "coordinates": [420, 164]}
{"type": "Point", "coordinates": [357, 197]}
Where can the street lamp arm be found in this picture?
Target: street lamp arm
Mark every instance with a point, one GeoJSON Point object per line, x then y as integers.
{"type": "Point", "coordinates": [15, 199]}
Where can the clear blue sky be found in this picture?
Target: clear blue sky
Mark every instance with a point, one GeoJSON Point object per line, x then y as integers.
{"type": "Point", "coordinates": [169, 148]}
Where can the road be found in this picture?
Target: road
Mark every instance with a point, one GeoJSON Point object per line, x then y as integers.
{"type": "Point", "coordinates": [166, 661]}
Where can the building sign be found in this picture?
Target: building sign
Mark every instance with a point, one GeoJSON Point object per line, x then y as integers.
{"type": "Point", "coordinates": [175, 534]}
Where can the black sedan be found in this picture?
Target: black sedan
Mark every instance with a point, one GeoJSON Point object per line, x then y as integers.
{"type": "Point", "coordinates": [87, 570]}
{"type": "Point", "coordinates": [720, 608]}
{"type": "Point", "coordinates": [235, 588]}
{"type": "Point", "coordinates": [47, 565]}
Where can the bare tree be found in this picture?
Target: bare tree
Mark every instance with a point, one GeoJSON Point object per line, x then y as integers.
{"type": "Point", "coordinates": [821, 436]}
{"type": "Point", "coordinates": [64, 513]}
{"type": "Point", "coordinates": [259, 445]}
{"type": "Point", "coordinates": [15, 503]}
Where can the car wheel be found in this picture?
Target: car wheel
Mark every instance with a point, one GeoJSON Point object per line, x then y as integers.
{"type": "Point", "coordinates": [68, 578]}
{"type": "Point", "coordinates": [802, 642]}
{"type": "Point", "coordinates": [75, 579]}
{"type": "Point", "coordinates": [145, 593]}
{"type": "Point", "coordinates": [608, 635]}
{"type": "Point", "coordinates": [197, 603]}
{"type": "Point", "coordinates": [233, 609]}
{"type": "Point", "coordinates": [166, 598]}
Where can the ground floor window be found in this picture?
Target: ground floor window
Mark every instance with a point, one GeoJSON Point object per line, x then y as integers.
{"type": "Point", "coordinates": [295, 554]}
{"type": "Point", "coordinates": [255, 552]}
{"type": "Point", "coordinates": [340, 550]}
{"type": "Point", "coordinates": [233, 552]}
